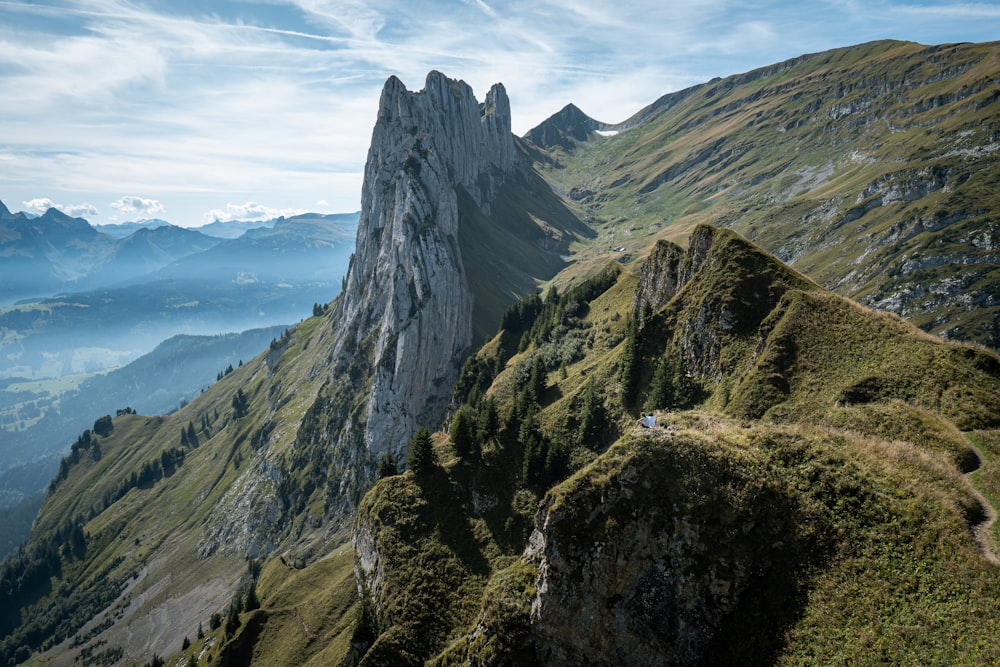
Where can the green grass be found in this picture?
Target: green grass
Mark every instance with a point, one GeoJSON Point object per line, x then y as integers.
{"type": "Point", "coordinates": [987, 477]}
{"type": "Point", "coordinates": [762, 153]}
{"type": "Point", "coordinates": [849, 474]}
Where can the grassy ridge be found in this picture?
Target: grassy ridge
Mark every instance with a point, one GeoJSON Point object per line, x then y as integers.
{"type": "Point", "coordinates": [869, 168]}
{"type": "Point", "coordinates": [854, 461]}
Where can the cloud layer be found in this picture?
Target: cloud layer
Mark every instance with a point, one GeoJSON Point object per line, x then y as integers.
{"type": "Point", "coordinates": [190, 106]}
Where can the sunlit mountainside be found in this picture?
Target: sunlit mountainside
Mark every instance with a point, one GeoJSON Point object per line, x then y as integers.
{"type": "Point", "coordinates": [791, 271]}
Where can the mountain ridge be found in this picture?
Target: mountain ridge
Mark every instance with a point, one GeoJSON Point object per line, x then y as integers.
{"type": "Point", "coordinates": [802, 498]}
{"type": "Point", "coordinates": [870, 168]}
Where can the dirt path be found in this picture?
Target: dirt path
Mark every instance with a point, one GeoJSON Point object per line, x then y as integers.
{"type": "Point", "coordinates": [981, 529]}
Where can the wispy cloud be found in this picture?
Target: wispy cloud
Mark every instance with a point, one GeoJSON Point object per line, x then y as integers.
{"type": "Point", "coordinates": [40, 205]}
{"type": "Point", "coordinates": [249, 211]}
{"type": "Point", "coordinates": [199, 103]}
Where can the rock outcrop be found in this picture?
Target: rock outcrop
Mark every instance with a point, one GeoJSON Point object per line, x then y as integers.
{"type": "Point", "coordinates": [727, 286]}
{"type": "Point", "coordinates": [407, 290]}
{"type": "Point", "coordinates": [441, 174]}
{"type": "Point", "coordinates": [640, 561]}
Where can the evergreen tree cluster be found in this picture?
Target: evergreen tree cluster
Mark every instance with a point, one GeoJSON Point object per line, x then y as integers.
{"type": "Point", "coordinates": [228, 370]}
{"type": "Point", "coordinates": [286, 335]}
{"type": "Point", "coordinates": [85, 442]}
{"type": "Point", "coordinates": [104, 426]}
{"type": "Point", "coordinates": [189, 436]}
{"type": "Point", "coordinates": [532, 321]}
{"type": "Point", "coordinates": [241, 405]}
{"type": "Point", "coordinates": [669, 387]}
{"type": "Point", "coordinates": [26, 577]}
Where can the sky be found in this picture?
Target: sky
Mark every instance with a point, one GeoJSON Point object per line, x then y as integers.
{"type": "Point", "coordinates": [200, 110]}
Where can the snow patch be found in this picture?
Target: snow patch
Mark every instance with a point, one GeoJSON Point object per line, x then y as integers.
{"type": "Point", "coordinates": [606, 133]}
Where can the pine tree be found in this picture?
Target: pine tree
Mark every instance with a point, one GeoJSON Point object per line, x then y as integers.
{"type": "Point", "coordinates": [629, 363]}
{"type": "Point", "coordinates": [387, 466]}
{"type": "Point", "coordinates": [252, 601]}
{"type": "Point", "coordinates": [421, 457]}
{"type": "Point", "coordinates": [537, 382]}
{"type": "Point", "coordinates": [232, 621]}
{"type": "Point", "coordinates": [462, 433]}
{"type": "Point", "coordinates": [240, 404]}
{"type": "Point", "coordinates": [489, 420]}
{"type": "Point", "coordinates": [662, 392]}
{"type": "Point", "coordinates": [594, 420]}
{"type": "Point", "coordinates": [535, 449]}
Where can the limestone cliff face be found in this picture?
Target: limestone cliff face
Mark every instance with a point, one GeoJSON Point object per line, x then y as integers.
{"type": "Point", "coordinates": [407, 286]}
{"type": "Point", "coordinates": [442, 173]}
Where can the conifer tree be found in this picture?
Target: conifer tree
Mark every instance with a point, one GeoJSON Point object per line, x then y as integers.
{"type": "Point", "coordinates": [629, 363]}
{"type": "Point", "coordinates": [421, 456]}
{"type": "Point", "coordinates": [662, 392]}
{"type": "Point", "coordinates": [593, 419]}
{"type": "Point", "coordinates": [252, 601]}
{"type": "Point", "coordinates": [463, 434]}
{"type": "Point", "coordinates": [489, 420]}
{"type": "Point", "coordinates": [387, 466]}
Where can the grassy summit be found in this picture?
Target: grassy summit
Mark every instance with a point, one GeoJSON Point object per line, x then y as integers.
{"type": "Point", "coordinates": [811, 507]}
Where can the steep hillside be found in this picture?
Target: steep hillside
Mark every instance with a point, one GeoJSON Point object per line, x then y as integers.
{"type": "Point", "coordinates": [873, 169]}
{"type": "Point", "coordinates": [803, 498]}
{"type": "Point", "coordinates": [155, 524]}
{"type": "Point", "coordinates": [39, 422]}
{"type": "Point", "coordinates": [821, 522]}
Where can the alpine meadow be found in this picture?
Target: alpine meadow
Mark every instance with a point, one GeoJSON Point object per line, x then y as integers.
{"type": "Point", "coordinates": [793, 273]}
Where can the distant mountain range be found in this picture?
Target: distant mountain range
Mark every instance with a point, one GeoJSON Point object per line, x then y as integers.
{"type": "Point", "coordinates": [54, 252]}
{"type": "Point", "coordinates": [444, 466]}
{"type": "Point", "coordinates": [99, 301]}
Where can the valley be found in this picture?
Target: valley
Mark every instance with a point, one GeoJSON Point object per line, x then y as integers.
{"type": "Point", "coordinates": [792, 268]}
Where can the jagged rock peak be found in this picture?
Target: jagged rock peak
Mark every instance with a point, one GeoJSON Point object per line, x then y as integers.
{"type": "Point", "coordinates": [407, 297]}
{"type": "Point", "coordinates": [444, 118]}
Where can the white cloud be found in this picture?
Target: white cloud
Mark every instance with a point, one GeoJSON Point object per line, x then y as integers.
{"type": "Point", "coordinates": [39, 205]}
{"type": "Point", "coordinates": [249, 211]}
{"type": "Point", "coordinates": [200, 103]}
{"type": "Point", "coordinates": [132, 205]}
{"type": "Point", "coordinates": [42, 204]}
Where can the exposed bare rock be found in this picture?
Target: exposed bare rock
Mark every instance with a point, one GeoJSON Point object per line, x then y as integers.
{"type": "Point", "coordinates": [441, 173]}
{"type": "Point", "coordinates": [632, 572]}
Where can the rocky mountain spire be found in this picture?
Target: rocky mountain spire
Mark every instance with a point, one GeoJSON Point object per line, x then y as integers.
{"type": "Point", "coordinates": [405, 317]}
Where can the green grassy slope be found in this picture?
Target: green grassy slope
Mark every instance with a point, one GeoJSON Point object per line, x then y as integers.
{"type": "Point", "coordinates": [870, 168]}
{"type": "Point", "coordinates": [165, 522]}
{"type": "Point", "coordinates": [828, 434]}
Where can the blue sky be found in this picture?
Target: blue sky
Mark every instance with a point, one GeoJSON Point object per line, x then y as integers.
{"type": "Point", "coordinates": [193, 110]}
